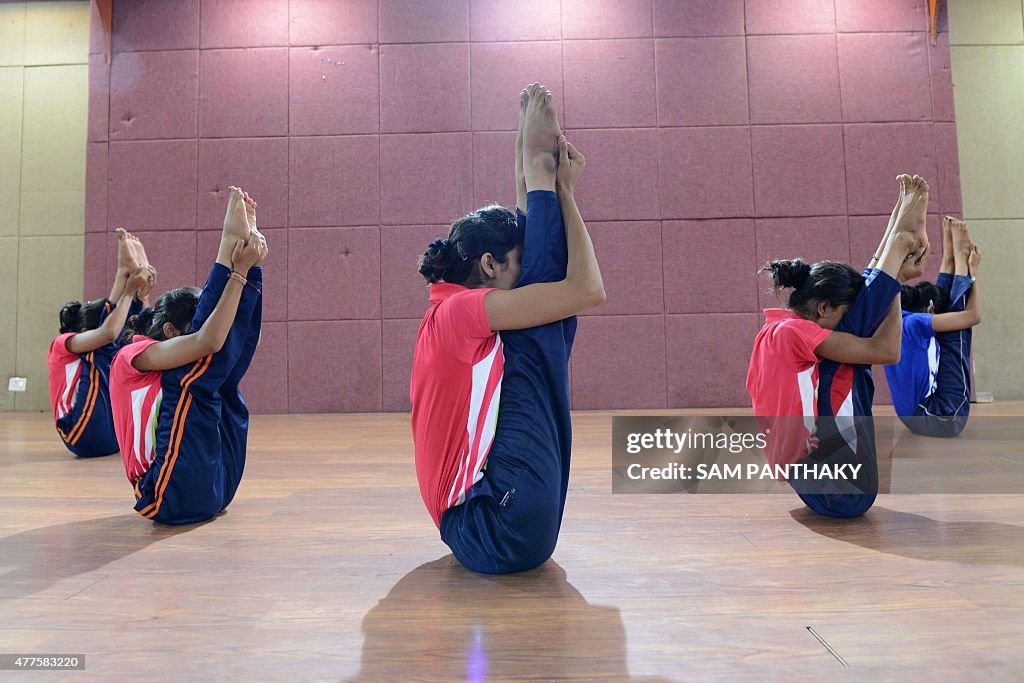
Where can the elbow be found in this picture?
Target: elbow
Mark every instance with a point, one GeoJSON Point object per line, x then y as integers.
{"type": "Point", "coordinates": [976, 319]}
{"type": "Point", "coordinates": [207, 345]}
{"type": "Point", "coordinates": [890, 355]}
{"type": "Point", "coordinates": [596, 296]}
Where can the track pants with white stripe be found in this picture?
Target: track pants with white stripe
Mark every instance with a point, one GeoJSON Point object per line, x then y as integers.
{"type": "Point", "coordinates": [945, 412]}
{"type": "Point", "coordinates": [511, 517]}
{"type": "Point", "coordinates": [850, 439]}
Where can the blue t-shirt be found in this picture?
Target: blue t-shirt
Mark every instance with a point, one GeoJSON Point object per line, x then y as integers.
{"type": "Point", "coordinates": [912, 380]}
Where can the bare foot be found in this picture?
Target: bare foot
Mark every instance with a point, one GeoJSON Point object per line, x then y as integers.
{"type": "Point", "coordinates": [250, 212]}
{"type": "Point", "coordinates": [127, 259]}
{"type": "Point", "coordinates": [961, 246]}
{"type": "Point", "coordinates": [913, 213]}
{"type": "Point", "coordinates": [235, 223]}
{"type": "Point", "coordinates": [913, 267]}
{"type": "Point", "coordinates": [948, 264]}
{"type": "Point", "coordinates": [140, 252]}
{"type": "Point", "coordinates": [524, 99]}
{"type": "Point", "coordinates": [236, 227]}
{"type": "Point", "coordinates": [540, 139]}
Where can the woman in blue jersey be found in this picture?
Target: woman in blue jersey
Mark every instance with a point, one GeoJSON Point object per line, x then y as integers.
{"type": "Point", "coordinates": [931, 385]}
{"type": "Point", "coordinates": [490, 384]}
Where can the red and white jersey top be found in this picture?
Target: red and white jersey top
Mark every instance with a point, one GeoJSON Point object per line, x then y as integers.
{"type": "Point", "coordinates": [135, 403]}
{"type": "Point", "coordinates": [455, 388]}
{"type": "Point", "coordinates": [64, 370]}
{"type": "Point", "coordinates": [782, 381]}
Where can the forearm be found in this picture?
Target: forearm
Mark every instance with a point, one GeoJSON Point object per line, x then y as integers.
{"type": "Point", "coordinates": [582, 268]}
{"type": "Point", "coordinates": [214, 332]}
{"type": "Point", "coordinates": [520, 179]}
{"type": "Point", "coordinates": [973, 308]}
{"type": "Point", "coordinates": [117, 288]}
{"type": "Point", "coordinates": [888, 338]}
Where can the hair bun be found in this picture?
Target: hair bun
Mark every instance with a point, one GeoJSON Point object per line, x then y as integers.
{"type": "Point", "coordinates": [140, 322]}
{"type": "Point", "coordinates": [69, 316]}
{"type": "Point", "coordinates": [435, 261]}
{"type": "Point", "coordinates": [789, 273]}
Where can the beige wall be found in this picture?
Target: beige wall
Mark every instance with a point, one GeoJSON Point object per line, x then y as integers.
{"type": "Point", "coordinates": [44, 50]}
{"type": "Point", "coordinates": [987, 51]}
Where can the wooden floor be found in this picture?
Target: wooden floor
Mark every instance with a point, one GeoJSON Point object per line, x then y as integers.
{"type": "Point", "coordinates": [327, 567]}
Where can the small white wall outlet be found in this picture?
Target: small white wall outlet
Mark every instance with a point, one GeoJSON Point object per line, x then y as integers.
{"type": "Point", "coordinates": [17, 384]}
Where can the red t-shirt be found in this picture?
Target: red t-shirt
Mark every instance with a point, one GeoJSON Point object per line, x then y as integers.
{"type": "Point", "coordinates": [64, 370]}
{"type": "Point", "coordinates": [455, 388]}
{"type": "Point", "coordinates": [783, 383]}
{"type": "Point", "coordinates": [135, 403]}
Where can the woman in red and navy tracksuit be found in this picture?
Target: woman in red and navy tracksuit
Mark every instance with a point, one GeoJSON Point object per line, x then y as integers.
{"type": "Point", "coordinates": [179, 416]}
{"type": "Point", "coordinates": [489, 385]}
{"type": "Point", "coordinates": [810, 370]}
{"type": "Point", "coordinates": [79, 358]}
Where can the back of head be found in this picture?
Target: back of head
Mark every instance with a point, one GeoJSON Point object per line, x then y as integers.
{"type": "Point", "coordinates": [833, 282]}
{"type": "Point", "coordinates": [78, 317]}
{"type": "Point", "coordinates": [492, 229]}
{"type": "Point", "coordinates": [920, 297]}
{"type": "Point", "coordinates": [176, 307]}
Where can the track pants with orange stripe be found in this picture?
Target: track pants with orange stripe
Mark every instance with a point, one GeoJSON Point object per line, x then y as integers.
{"type": "Point", "coordinates": [88, 428]}
{"type": "Point", "coordinates": [203, 421]}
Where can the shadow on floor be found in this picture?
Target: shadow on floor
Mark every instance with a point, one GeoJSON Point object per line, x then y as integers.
{"type": "Point", "coordinates": [32, 561]}
{"type": "Point", "coordinates": [923, 538]}
{"type": "Point", "coordinates": [444, 622]}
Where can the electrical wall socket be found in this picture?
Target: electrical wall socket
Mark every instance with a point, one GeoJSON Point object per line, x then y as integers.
{"type": "Point", "coordinates": [17, 383]}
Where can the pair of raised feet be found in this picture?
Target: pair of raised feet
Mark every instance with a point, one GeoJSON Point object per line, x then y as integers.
{"type": "Point", "coordinates": [133, 262]}
{"type": "Point", "coordinates": [908, 230]}
{"type": "Point", "coordinates": [239, 226]}
{"type": "Point", "coordinates": [544, 159]}
{"type": "Point", "coordinates": [960, 255]}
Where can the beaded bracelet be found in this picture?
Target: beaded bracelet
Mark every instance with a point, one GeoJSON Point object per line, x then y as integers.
{"type": "Point", "coordinates": [238, 277]}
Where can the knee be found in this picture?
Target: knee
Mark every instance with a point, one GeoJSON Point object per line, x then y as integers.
{"type": "Point", "coordinates": [846, 506]}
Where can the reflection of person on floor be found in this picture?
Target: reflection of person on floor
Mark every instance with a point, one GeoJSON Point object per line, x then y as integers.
{"type": "Point", "coordinates": [810, 370]}
{"type": "Point", "coordinates": [490, 380]}
{"type": "Point", "coordinates": [79, 358]}
{"type": "Point", "coordinates": [441, 622]}
{"type": "Point", "coordinates": [931, 385]}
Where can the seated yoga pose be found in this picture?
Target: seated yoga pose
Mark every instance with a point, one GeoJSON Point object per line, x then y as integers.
{"type": "Point", "coordinates": [810, 370]}
{"type": "Point", "coordinates": [490, 385]}
{"type": "Point", "coordinates": [79, 358]}
{"type": "Point", "coordinates": [180, 419]}
{"type": "Point", "coordinates": [931, 385]}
